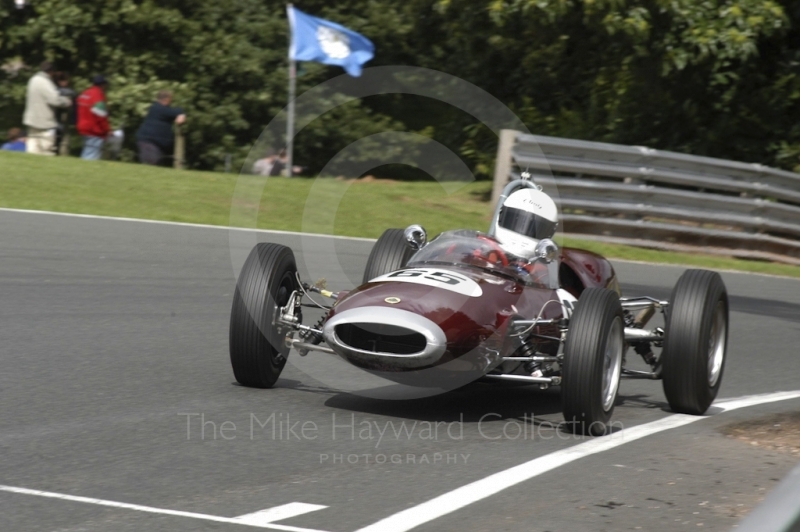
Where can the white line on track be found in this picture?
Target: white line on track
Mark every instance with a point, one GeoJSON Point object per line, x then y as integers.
{"type": "Point", "coordinates": [456, 499]}
{"type": "Point", "coordinates": [270, 515]}
{"type": "Point", "coordinates": [339, 237]}
{"type": "Point", "coordinates": [184, 224]}
{"type": "Point", "coordinates": [446, 503]}
{"type": "Point", "coordinates": [263, 521]}
{"type": "Point", "coordinates": [486, 487]}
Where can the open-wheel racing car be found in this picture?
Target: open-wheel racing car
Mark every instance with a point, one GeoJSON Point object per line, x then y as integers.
{"type": "Point", "coordinates": [506, 305]}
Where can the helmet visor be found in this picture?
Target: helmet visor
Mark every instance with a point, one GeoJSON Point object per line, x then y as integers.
{"type": "Point", "coordinates": [526, 223]}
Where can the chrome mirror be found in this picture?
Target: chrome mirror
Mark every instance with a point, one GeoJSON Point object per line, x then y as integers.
{"type": "Point", "coordinates": [416, 236]}
{"type": "Point", "coordinates": [546, 250]}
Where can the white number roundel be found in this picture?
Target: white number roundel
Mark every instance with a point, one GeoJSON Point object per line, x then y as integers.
{"type": "Point", "coordinates": [446, 279]}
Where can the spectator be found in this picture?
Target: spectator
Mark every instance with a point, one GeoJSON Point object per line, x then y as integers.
{"type": "Point", "coordinates": [114, 142]}
{"type": "Point", "coordinates": [40, 102]}
{"type": "Point", "coordinates": [15, 141]}
{"type": "Point", "coordinates": [93, 119]}
{"type": "Point", "coordinates": [64, 117]}
{"type": "Point", "coordinates": [263, 167]}
{"type": "Point", "coordinates": [155, 136]}
{"type": "Point", "coordinates": [279, 168]}
{"type": "Point", "coordinates": [279, 165]}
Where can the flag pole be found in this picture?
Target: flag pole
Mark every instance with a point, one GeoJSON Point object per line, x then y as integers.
{"type": "Point", "coordinates": [290, 122]}
{"type": "Point", "coordinates": [292, 89]}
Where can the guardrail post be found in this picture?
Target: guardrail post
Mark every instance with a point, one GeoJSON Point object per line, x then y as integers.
{"type": "Point", "coordinates": [180, 149]}
{"type": "Point", "coordinates": [503, 162]}
{"type": "Point", "coordinates": [63, 149]}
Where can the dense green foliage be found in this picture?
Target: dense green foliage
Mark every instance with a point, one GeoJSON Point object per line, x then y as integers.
{"type": "Point", "coordinates": [711, 77]}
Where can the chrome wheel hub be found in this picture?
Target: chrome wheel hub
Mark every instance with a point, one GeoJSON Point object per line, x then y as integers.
{"type": "Point", "coordinates": [612, 364]}
{"type": "Point", "coordinates": [716, 344]}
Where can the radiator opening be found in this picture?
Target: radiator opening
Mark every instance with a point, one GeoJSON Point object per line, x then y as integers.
{"type": "Point", "coordinates": [381, 338]}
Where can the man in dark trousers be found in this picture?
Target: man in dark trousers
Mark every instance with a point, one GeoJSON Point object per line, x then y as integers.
{"type": "Point", "coordinates": [155, 137]}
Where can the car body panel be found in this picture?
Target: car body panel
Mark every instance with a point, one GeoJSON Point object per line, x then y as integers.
{"type": "Point", "coordinates": [468, 323]}
{"type": "Point", "coordinates": [593, 270]}
{"type": "Point", "coordinates": [454, 302]}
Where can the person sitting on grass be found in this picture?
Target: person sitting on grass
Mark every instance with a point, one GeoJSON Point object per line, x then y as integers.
{"type": "Point", "coordinates": [15, 140]}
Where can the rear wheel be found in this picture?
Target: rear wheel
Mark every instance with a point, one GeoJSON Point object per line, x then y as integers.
{"type": "Point", "coordinates": [593, 361]}
{"type": "Point", "coordinates": [695, 342]}
{"type": "Point", "coordinates": [391, 252]}
{"type": "Point", "coordinates": [267, 280]}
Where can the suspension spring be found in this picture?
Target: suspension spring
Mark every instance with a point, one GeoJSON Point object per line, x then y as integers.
{"type": "Point", "coordinates": [311, 336]}
{"type": "Point", "coordinates": [528, 349]}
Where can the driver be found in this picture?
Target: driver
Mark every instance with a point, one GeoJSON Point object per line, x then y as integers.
{"type": "Point", "coordinates": [526, 217]}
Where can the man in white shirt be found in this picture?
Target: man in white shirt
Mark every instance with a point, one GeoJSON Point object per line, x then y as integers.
{"type": "Point", "coordinates": [40, 118]}
{"type": "Point", "coordinates": [263, 167]}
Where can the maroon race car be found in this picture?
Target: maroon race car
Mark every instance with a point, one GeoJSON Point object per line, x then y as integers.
{"type": "Point", "coordinates": [444, 313]}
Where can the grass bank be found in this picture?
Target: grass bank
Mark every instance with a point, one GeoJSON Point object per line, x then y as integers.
{"type": "Point", "coordinates": [342, 207]}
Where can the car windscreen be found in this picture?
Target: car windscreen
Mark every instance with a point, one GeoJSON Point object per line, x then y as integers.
{"type": "Point", "coordinates": [472, 249]}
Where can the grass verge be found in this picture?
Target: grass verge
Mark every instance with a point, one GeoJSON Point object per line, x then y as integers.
{"type": "Point", "coordinates": [331, 206]}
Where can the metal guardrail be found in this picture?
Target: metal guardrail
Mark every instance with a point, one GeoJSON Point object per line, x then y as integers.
{"type": "Point", "coordinates": [780, 512]}
{"type": "Point", "coordinates": [660, 199]}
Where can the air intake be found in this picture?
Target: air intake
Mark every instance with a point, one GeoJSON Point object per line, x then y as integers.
{"type": "Point", "coordinates": [381, 338]}
{"type": "Point", "coordinates": [373, 337]}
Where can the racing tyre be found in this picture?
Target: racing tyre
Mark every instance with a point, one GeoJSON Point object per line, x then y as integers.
{"type": "Point", "coordinates": [593, 361]}
{"type": "Point", "coordinates": [695, 342]}
{"type": "Point", "coordinates": [391, 252]}
{"type": "Point", "coordinates": [267, 280]}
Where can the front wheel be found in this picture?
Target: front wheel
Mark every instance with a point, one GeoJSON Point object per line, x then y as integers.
{"type": "Point", "coordinates": [391, 252]}
{"type": "Point", "coordinates": [257, 349]}
{"type": "Point", "coordinates": [695, 342]}
{"type": "Point", "coordinates": [593, 361]}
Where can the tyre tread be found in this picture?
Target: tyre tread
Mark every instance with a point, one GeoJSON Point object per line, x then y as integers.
{"type": "Point", "coordinates": [685, 354]}
{"type": "Point", "coordinates": [391, 252]}
{"type": "Point", "coordinates": [586, 339]}
{"type": "Point", "coordinates": [251, 348]}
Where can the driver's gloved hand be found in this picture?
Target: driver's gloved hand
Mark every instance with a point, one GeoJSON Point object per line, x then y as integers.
{"type": "Point", "coordinates": [521, 270]}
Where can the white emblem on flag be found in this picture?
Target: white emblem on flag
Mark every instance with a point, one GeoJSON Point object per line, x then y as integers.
{"type": "Point", "coordinates": [334, 43]}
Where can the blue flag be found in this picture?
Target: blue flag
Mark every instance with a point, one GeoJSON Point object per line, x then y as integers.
{"type": "Point", "coordinates": [323, 41]}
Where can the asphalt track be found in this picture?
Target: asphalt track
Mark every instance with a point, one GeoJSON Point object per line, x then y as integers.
{"type": "Point", "coordinates": [117, 392]}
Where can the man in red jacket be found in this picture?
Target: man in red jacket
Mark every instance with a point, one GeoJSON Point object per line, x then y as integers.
{"type": "Point", "coordinates": [93, 119]}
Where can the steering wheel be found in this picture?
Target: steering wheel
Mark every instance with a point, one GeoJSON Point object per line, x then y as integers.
{"type": "Point", "coordinates": [495, 255]}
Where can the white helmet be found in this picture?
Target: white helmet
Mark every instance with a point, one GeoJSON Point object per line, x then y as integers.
{"type": "Point", "coordinates": [526, 217]}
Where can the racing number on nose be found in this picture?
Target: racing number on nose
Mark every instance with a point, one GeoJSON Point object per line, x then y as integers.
{"type": "Point", "coordinates": [442, 277]}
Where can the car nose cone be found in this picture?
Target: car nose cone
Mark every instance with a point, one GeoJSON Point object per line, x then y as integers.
{"type": "Point", "coordinates": [385, 338]}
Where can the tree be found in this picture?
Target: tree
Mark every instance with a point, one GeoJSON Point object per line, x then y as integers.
{"type": "Point", "coordinates": [701, 77]}
{"type": "Point", "coordinates": [225, 61]}
{"type": "Point", "coordinates": [718, 77]}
